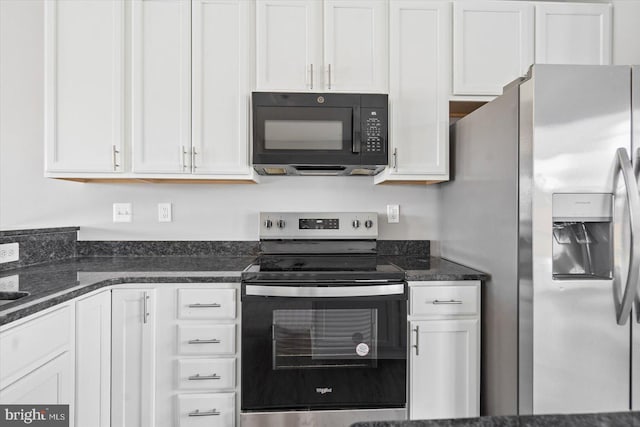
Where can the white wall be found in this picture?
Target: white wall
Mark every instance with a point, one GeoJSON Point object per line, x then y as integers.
{"type": "Point", "coordinates": [201, 211]}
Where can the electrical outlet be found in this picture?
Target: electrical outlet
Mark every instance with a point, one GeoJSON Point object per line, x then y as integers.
{"type": "Point", "coordinates": [10, 283]}
{"type": "Point", "coordinates": [122, 212]}
{"type": "Point", "coordinates": [164, 212]}
{"type": "Point", "coordinates": [9, 252]}
{"type": "Point", "coordinates": [393, 214]}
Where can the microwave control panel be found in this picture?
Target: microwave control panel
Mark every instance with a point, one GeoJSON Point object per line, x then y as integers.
{"type": "Point", "coordinates": [374, 130]}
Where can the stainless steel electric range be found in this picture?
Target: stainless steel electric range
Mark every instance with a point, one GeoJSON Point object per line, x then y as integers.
{"type": "Point", "coordinates": [324, 324]}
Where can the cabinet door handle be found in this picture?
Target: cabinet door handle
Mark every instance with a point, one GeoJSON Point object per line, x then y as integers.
{"type": "Point", "coordinates": [184, 158]}
{"type": "Point", "coordinates": [209, 341]}
{"type": "Point", "coordinates": [197, 413]}
{"type": "Point", "coordinates": [145, 308]}
{"type": "Point", "coordinates": [198, 305]}
{"type": "Point", "coordinates": [114, 159]}
{"type": "Point", "coordinates": [417, 331]}
{"type": "Point", "coordinates": [193, 158]}
{"type": "Point", "coordinates": [451, 301]}
{"type": "Point", "coordinates": [198, 377]}
{"type": "Point", "coordinates": [329, 79]}
{"type": "Point", "coordinates": [311, 81]}
{"type": "Point", "coordinates": [395, 159]}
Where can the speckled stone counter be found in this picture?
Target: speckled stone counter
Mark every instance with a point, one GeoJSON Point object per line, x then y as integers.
{"type": "Point", "coordinates": [617, 419]}
{"type": "Point", "coordinates": [433, 268]}
{"type": "Point", "coordinates": [53, 283]}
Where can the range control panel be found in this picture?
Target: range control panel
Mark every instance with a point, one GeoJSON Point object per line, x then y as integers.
{"type": "Point", "coordinates": [318, 225]}
{"type": "Point", "coordinates": [374, 130]}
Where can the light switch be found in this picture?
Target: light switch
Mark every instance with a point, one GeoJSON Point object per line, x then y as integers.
{"type": "Point", "coordinates": [122, 212]}
{"type": "Point", "coordinates": [393, 214]}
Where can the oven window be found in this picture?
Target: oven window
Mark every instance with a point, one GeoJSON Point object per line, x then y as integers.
{"type": "Point", "coordinates": [314, 338]}
{"type": "Point", "coordinates": [302, 135]}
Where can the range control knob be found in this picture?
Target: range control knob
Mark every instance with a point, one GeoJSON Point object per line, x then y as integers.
{"type": "Point", "coordinates": [368, 223]}
{"type": "Point", "coordinates": [356, 223]}
{"type": "Point", "coordinates": [281, 223]}
{"type": "Point", "coordinates": [268, 223]}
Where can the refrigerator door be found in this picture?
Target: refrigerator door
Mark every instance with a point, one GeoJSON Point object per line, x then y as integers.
{"type": "Point", "coordinates": [635, 324]}
{"type": "Point", "coordinates": [581, 355]}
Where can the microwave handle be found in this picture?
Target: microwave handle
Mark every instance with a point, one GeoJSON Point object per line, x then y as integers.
{"type": "Point", "coordinates": [355, 144]}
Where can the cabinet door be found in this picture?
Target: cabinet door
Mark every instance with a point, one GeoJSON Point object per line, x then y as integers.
{"type": "Point", "coordinates": [288, 44]}
{"type": "Point", "coordinates": [355, 45]}
{"type": "Point", "coordinates": [52, 383]}
{"type": "Point", "coordinates": [444, 380]}
{"type": "Point", "coordinates": [84, 90]}
{"type": "Point", "coordinates": [573, 33]}
{"type": "Point", "coordinates": [93, 360]}
{"type": "Point", "coordinates": [492, 45]}
{"type": "Point", "coordinates": [161, 87]}
{"type": "Point", "coordinates": [220, 86]}
{"type": "Point", "coordinates": [419, 87]}
{"type": "Point", "coordinates": [133, 357]}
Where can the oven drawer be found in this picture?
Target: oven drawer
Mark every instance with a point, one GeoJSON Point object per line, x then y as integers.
{"type": "Point", "coordinates": [443, 300]}
{"type": "Point", "coordinates": [207, 303]}
{"type": "Point", "coordinates": [206, 374]}
{"type": "Point", "coordinates": [210, 410]}
{"type": "Point", "coordinates": [215, 339]}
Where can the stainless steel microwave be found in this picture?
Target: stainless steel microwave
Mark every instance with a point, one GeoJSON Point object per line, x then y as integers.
{"type": "Point", "coordinates": [319, 133]}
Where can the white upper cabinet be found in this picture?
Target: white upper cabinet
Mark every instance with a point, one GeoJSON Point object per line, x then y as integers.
{"type": "Point", "coordinates": [330, 45]}
{"type": "Point", "coordinates": [492, 45]}
{"type": "Point", "coordinates": [573, 33]}
{"type": "Point", "coordinates": [288, 44]}
{"type": "Point", "coordinates": [221, 87]}
{"type": "Point", "coordinates": [419, 91]}
{"type": "Point", "coordinates": [355, 45]}
{"type": "Point", "coordinates": [84, 86]}
{"type": "Point", "coordinates": [161, 98]}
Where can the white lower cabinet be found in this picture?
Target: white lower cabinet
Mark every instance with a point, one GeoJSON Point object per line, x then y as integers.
{"type": "Point", "coordinates": [93, 360]}
{"type": "Point", "coordinates": [444, 361]}
{"type": "Point", "coordinates": [175, 355]}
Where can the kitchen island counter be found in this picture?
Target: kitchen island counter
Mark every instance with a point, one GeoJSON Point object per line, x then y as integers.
{"type": "Point", "coordinates": [613, 419]}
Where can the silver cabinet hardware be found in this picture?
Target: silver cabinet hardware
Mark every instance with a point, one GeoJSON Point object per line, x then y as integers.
{"type": "Point", "coordinates": [145, 308]}
{"type": "Point", "coordinates": [193, 158]}
{"type": "Point", "coordinates": [198, 305]}
{"type": "Point", "coordinates": [417, 331]}
{"type": "Point", "coordinates": [451, 301]}
{"type": "Point", "coordinates": [197, 413]}
{"type": "Point", "coordinates": [209, 341]}
{"type": "Point", "coordinates": [311, 82]}
{"type": "Point", "coordinates": [395, 159]}
{"type": "Point", "coordinates": [198, 377]}
{"type": "Point", "coordinates": [184, 159]}
{"type": "Point", "coordinates": [329, 79]}
{"type": "Point", "coordinates": [114, 159]}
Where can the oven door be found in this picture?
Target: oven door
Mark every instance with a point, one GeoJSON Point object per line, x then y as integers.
{"type": "Point", "coordinates": [323, 347]}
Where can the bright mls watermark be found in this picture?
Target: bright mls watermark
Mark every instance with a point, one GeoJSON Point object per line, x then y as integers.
{"type": "Point", "coordinates": [35, 415]}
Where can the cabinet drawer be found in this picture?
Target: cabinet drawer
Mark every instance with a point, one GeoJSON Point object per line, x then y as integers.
{"type": "Point", "coordinates": [217, 339]}
{"type": "Point", "coordinates": [207, 303]}
{"type": "Point", "coordinates": [443, 300]}
{"type": "Point", "coordinates": [27, 346]}
{"type": "Point", "coordinates": [205, 374]}
{"type": "Point", "coordinates": [211, 410]}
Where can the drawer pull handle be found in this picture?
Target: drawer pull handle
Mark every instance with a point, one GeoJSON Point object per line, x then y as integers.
{"type": "Point", "coordinates": [198, 377]}
{"type": "Point", "coordinates": [197, 413]}
{"type": "Point", "coordinates": [451, 301]}
{"type": "Point", "coordinates": [198, 305]}
{"type": "Point", "coordinates": [199, 341]}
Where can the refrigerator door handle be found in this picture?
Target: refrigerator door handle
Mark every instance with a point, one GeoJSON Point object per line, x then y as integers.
{"type": "Point", "coordinates": [623, 308]}
{"type": "Point", "coordinates": [636, 174]}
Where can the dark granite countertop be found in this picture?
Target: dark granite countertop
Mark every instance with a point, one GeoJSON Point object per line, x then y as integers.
{"type": "Point", "coordinates": [53, 283]}
{"type": "Point", "coordinates": [617, 419]}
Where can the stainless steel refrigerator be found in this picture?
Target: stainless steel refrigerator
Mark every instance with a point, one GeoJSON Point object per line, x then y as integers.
{"type": "Point", "coordinates": [544, 198]}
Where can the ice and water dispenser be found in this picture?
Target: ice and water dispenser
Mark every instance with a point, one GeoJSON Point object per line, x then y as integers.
{"type": "Point", "coordinates": [582, 236]}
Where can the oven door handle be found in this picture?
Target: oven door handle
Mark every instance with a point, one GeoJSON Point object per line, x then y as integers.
{"type": "Point", "coordinates": [323, 292]}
